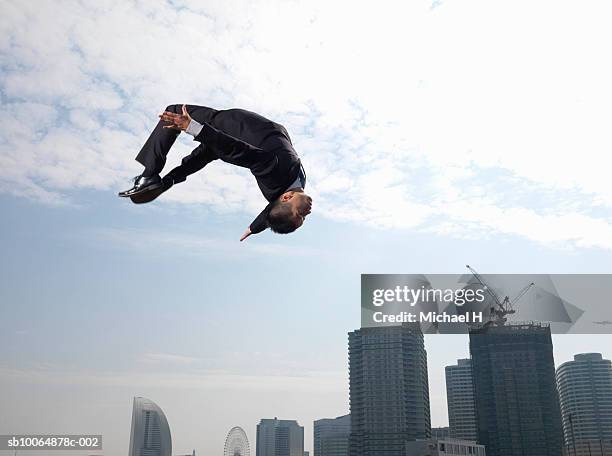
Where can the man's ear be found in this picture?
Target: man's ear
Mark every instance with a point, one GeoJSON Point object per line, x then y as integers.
{"type": "Point", "coordinates": [286, 196]}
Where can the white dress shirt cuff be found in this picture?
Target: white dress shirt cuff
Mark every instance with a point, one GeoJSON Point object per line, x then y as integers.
{"type": "Point", "coordinates": [194, 128]}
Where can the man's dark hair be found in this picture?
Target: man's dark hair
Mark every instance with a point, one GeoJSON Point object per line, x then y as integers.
{"type": "Point", "coordinates": [280, 218]}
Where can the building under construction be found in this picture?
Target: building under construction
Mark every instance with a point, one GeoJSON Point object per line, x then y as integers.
{"type": "Point", "coordinates": [517, 404]}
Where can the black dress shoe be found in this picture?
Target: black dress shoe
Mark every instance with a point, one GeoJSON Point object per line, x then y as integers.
{"type": "Point", "coordinates": [150, 195]}
{"type": "Point", "coordinates": [142, 184]}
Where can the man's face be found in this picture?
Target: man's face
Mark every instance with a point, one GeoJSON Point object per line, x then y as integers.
{"type": "Point", "coordinates": [300, 203]}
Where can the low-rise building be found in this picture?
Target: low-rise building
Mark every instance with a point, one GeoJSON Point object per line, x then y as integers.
{"type": "Point", "coordinates": [444, 447]}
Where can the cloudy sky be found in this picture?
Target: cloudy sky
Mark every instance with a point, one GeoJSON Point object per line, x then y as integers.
{"type": "Point", "coordinates": [434, 134]}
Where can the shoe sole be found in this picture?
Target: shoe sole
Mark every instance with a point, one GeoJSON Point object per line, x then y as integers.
{"type": "Point", "coordinates": [148, 196]}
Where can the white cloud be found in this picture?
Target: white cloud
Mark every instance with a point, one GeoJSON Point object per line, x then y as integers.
{"type": "Point", "coordinates": [405, 115]}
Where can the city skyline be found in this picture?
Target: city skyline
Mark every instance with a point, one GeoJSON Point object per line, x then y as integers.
{"type": "Point", "coordinates": [332, 427]}
{"type": "Point", "coordinates": [297, 412]}
{"type": "Point", "coordinates": [331, 435]}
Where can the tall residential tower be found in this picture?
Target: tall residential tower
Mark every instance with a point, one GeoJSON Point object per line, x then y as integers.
{"type": "Point", "coordinates": [460, 399]}
{"type": "Point", "coordinates": [279, 438]}
{"type": "Point", "coordinates": [389, 392]}
{"type": "Point", "coordinates": [585, 392]}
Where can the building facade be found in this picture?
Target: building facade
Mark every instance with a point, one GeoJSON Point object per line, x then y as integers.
{"type": "Point", "coordinates": [331, 436]}
{"type": "Point", "coordinates": [388, 389]}
{"type": "Point", "coordinates": [585, 393]}
{"type": "Point", "coordinates": [589, 448]}
{"type": "Point", "coordinates": [460, 400]}
{"type": "Point", "coordinates": [440, 432]}
{"type": "Point", "coordinates": [279, 438]}
{"type": "Point", "coordinates": [517, 404]}
{"type": "Point", "coordinates": [150, 433]}
{"type": "Point", "coordinates": [443, 447]}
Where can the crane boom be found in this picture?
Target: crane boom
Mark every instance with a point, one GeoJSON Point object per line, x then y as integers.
{"type": "Point", "coordinates": [522, 292]}
{"type": "Point", "coordinates": [504, 307]}
{"type": "Point", "coordinates": [485, 285]}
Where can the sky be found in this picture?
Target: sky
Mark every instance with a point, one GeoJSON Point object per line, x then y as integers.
{"type": "Point", "coordinates": [434, 134]}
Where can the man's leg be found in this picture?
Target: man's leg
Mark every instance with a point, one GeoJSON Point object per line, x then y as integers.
{"type": "Point", "coordinates": [194, 162]}
{"type": "Point", "coordinates": [153, 154]}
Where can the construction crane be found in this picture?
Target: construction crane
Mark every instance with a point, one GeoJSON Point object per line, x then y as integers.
{"type": "Point", "coordinates": [503, 307]}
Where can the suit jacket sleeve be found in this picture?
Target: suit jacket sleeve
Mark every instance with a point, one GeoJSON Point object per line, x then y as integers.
{"type": "Point", "coordinates": [260, 223]}
{"type": "Point", "coordinates": [235, 151]}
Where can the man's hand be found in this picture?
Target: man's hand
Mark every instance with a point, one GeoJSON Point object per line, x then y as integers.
{"type": "Point", "coordinates": [246, 234]}
{"type": "Point", "coordinates": [177, 121]}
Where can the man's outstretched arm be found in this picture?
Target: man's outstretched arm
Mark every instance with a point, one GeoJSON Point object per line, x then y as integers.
{"type": "Point", "coordinates": [258, 225]}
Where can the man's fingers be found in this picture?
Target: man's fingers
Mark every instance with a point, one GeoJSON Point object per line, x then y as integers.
{"type": "Point", "coordinates": [170, 120]}
{"type": "Point", "coordinates": [176, 120]}
{"type": "Point", "coordinates": [169, 115]}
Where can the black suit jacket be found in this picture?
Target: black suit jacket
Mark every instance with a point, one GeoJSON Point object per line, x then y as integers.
{"type": "Point", "coordinates": [264, 147]}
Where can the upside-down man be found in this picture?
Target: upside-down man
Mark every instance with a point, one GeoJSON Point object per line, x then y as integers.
{"type": "Point", "coordinates": [235, 136]}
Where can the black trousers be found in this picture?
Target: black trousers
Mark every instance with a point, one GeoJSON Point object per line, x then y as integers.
{"type": "Point", "coordinates": [154, 151]}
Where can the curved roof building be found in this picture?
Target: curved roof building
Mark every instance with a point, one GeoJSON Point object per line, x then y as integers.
{"type": "Point", "coordinates": [150, 435]}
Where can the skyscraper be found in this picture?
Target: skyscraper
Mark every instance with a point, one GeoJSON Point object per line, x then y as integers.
{"type": "Point", "coordinates": [389, 391]}
{"type": "Point", "coordinates": [460, 399]}
{"type": "Point", "coordinates": [585, 392]}
{"type": "Point", "coordinates": [331, 436]}
{"type": "Point", "coordinates": [517, 404]}
{"type": "Point", "coordinates": [279, 438]}
{"type": "Point", "coordinates": [150, 434]}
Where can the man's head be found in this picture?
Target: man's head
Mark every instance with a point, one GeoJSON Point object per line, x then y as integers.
{"type": "Point", "coordinates": [288, 212]}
